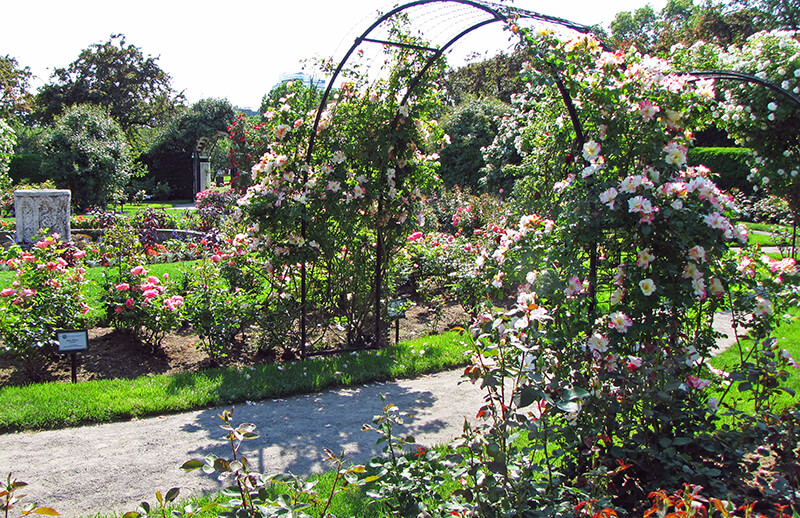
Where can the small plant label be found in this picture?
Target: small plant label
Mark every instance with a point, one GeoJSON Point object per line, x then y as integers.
{"type": "Point", "coordinates": [72, 341]}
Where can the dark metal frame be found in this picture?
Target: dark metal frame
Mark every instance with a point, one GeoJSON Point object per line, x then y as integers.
{"type": "Point", "coordinates": [496, 13]}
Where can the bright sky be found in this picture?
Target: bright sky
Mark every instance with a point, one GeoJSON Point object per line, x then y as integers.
{"type": "Point", "coordinates": [234, 49]}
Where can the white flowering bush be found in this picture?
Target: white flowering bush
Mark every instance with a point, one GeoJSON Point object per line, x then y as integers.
{"type": "Point", "coordinates": [602, 361]}
{"type": "Point", "coordinates": [757, 117]}
{"type": "Point", "coordinates": [7, 141]}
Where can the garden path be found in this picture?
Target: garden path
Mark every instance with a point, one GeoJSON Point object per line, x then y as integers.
{"type": "Point", "coordinates": [112, 467]}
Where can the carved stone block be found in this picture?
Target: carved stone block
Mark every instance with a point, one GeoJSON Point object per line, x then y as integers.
{"type": "Point", "coordinates": [40, 213]}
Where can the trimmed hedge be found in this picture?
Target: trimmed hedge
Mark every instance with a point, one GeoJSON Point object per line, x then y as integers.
{"type": "Point", "coordinates": [730, 163]}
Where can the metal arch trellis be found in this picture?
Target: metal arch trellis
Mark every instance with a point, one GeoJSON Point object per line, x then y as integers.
{"type": "Point", "coordinates": [495, 13]}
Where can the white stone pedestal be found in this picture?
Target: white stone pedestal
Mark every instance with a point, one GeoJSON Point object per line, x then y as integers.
{"type": "Point", "coordinates": [41, 213]}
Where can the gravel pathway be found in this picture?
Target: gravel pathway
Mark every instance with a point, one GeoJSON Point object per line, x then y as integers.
{"type": "Point", "coordinates": [112, 467]}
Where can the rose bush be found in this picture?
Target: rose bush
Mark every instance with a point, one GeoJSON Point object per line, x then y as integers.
{"type": "Point", "coordinates": [358, 195]}
{"type": "Point", "coordinates": [45, 295]}
{"type": "Point", "coordinates": [601, 365]}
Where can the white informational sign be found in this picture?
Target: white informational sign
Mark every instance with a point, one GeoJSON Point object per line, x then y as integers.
{"type": "Point", "coordinates": [72, 341]}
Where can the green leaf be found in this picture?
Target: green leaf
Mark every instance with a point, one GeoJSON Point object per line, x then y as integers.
{"type": "Point", "coordinates": [525, 397]}
{"type": "Point", "coordinates": [172, 494]}
{"type": "Point", "coordinates": [131, 514]}
{"type": "Point", "coordinates": [246, 427]}
{"type": "Point", "coordinates": [47, 511]}
{"type": "Point", "coordinates": [569, 406]}
{"type": "Point", "coordinates": [192, 465]}
{"type": "Point", "coordinates": [574, 393]}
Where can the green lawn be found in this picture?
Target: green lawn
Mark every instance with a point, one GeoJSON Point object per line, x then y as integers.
{"type": "Point", "coordinates": [788, 335]}
{"type": "Point", "coordinates": [58, 405]}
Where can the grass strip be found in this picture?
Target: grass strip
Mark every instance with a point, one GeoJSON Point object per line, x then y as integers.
{"type": "Point", "coordinates": [788, 335]}
{"type": "Point", "coordinates": [59, 405]}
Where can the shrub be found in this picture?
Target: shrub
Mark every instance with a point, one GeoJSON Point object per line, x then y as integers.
{"type": "Point", "coordinates": [217, 311]}
{"type": "Point", "coordinates": [26, 167]}
{"type": "Point", "coordinates": [143, 304]}
{"type": "Point", "coordinates": [88, 153]}
{"type": "Point", "coordinates": [45, 295]}
{"type": "Point", "coordinates": [730, 164]}
{"type": "Point", "coordinates": [471, 126]}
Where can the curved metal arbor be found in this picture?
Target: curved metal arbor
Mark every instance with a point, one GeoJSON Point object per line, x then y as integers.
{"type": "Point", "coordinates": [471, 16]}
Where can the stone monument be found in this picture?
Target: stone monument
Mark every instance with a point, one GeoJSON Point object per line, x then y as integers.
{"type": "Point", "coordinates": [42, 212]}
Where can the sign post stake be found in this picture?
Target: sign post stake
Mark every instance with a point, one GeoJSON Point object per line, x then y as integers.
{"type": "Point", "coordinates": [73, 341]}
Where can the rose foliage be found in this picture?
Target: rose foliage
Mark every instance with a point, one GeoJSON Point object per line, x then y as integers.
{"type": "Point", "coordinates": [355, 198]}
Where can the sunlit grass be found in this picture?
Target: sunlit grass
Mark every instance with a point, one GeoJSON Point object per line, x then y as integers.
{"type": "Point", "coordinates": [788, 336]}
{"type": "Point", "coordinates": [58, 405]}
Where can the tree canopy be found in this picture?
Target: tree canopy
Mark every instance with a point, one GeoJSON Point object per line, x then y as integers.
{"type": "Point", "coordinates": [115, 75]}
{"type": "Point", "coordinates": [15, 100]}
{"type": "Point", "coordinates": [682, 21]}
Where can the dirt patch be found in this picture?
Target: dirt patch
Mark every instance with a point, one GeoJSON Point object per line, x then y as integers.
{"type": "Point", "coordinates": [114, 354]}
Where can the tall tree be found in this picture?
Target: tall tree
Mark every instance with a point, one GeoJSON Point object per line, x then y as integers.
{"type": "Point", "coordinates": [774, 14]}
{"type": "Point", "coordinates": [169, 157]}
{"type": "Point", "coordinates": [682, 21]}
{"type": "Point", "coordinates": [15, 100]}
{"type": "Point", "coordinates": [117, 76]}
{"type": "Point", "coordinates": [496, 77]}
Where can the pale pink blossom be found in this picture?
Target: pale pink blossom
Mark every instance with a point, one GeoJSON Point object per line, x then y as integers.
{"type": "Point", "coordinates": [716, 287]}
{"type": "Point", "coordinates": [648, 110]}
{"type": "Point", "coordinates": [644, 258]}
{"type": "Point", "coordinates": [574, 286]}
{"type": "Point", "coordinates": [763, 307]}
{"type": "Point", "coordinates": [591, 150]}
{"type": "Point", "coordinates": [647, 286]}
{"type": "Point", "coordinates": [620, 322]}
{"type": "Point", "coordinates": [634, 363]}
{"type": "Point", "coordinates": [608, 196]}
{"type": "Point", "coordinates": [698, 253]}
{"type": "Point", "coordinates": [697, 383]}
{"type": "Point", "coordinates": [675, 154]}
{"type": "Point", "coordinates": [281, 131]}
{"type": "Point", "coordinates": [598, 343]}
